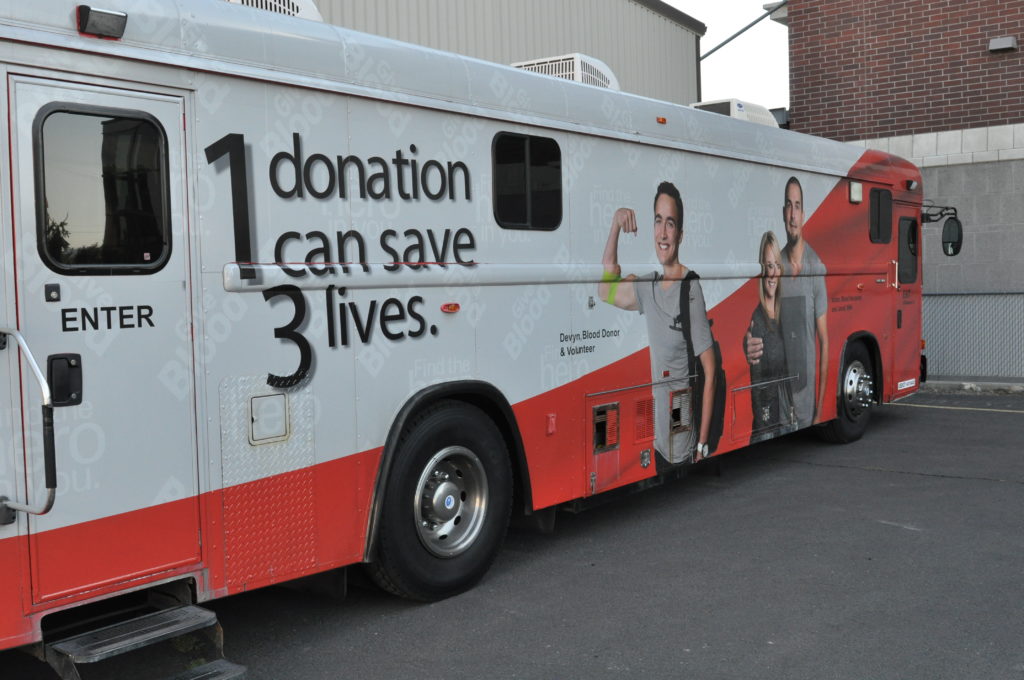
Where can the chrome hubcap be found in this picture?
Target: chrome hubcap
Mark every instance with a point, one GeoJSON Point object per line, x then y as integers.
{"type": "Point", "coordinates": [451, 501]}
{"type": "Point", "coordinates": [858, 393]}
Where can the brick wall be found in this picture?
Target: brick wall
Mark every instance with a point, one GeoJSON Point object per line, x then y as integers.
{"type": "Point", "coordinates": [877, 68]}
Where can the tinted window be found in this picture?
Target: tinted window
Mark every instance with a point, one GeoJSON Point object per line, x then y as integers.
{"type": "Point", "coordinates": [101, 192]}
{"type": "Point", "coordinates": [908, 250]}
{"type": "Point", "coordinates": [527, 182]}
{"type": "Point", "coordinates": [510, 187]}
{"type": "Point", "coordinates": [881, 215]}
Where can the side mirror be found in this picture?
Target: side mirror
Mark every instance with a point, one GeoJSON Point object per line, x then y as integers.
{"type": "Point", "coordinates": [952, 236]}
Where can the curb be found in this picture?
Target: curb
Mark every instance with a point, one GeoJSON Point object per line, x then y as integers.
{"type": "Point", "coordinates": [971, 387]}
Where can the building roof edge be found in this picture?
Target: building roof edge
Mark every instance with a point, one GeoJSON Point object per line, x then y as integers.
{"type": "Point", "coordinates": [673, 14]}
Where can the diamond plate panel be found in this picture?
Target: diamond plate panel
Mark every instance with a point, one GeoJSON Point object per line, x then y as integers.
{"type": "Point", "coordinates": [269, 528]}
{"type": "Point", "coordinates": [974, 335]}
{"type": "Point", "coordinates": [243, 462]}
{"type": "Point", "coordinates": [269, 505]}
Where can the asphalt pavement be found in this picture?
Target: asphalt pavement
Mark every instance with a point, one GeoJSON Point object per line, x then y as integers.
{"type": "Point", "coordinates": [898, 556]}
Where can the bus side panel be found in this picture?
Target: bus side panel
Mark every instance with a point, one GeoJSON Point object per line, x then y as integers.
{"type": "Point", "coordinates": [556, 427]}
{"type": "Point", "coordinates": [729, 206]}
{"type": "Point", "coordinates": [15, 627]}
{"type": "Point", "coordinates": [262, 550]}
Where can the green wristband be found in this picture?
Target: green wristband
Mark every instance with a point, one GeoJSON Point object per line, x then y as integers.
{"type": "Point", "coordinates": [610, 277]}
{"type": "Point", "coordinates": [611, 292]}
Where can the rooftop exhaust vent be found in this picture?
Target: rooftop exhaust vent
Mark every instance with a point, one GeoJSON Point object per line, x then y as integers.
{"type": "Point", "coordinates": [734, 108]}
{"type": "Point", "coordinates": [304, 9]}
{"type": "Point", "coordinates": [576, 66]}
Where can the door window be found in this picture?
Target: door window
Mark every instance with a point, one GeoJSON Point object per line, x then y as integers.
{"type": "Point", "coordinates": [908, 250]}
{"type": "Point", "coordinates": [101, 191]}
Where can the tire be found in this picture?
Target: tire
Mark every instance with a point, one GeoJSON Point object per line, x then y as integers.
{"type": "Point", "coordinates": [855, 399]}
{"type": "Point", "coordinates": [446, 504]}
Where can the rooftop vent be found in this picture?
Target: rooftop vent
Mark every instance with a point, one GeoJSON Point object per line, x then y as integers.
{"type": "Point", "coordinates": [304, 9]}
{"type": "Point", "coordinates": [576, 66]}
{"type": "Point", "coordinates": [734, 108]}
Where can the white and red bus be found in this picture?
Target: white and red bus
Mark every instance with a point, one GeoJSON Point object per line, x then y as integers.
{"type": "Point", "coordinates": [293, 297]}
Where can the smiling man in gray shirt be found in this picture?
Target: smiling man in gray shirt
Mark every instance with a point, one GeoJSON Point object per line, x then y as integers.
{"type": "Point", "coordinates": [677, 439]}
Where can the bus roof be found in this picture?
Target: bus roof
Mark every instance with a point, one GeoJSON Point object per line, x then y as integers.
{"type": "Point", "coordinates": [220, 37]}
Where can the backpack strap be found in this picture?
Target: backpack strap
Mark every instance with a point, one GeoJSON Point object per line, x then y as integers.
{"type": "Point", "coordinates": [684, 319]}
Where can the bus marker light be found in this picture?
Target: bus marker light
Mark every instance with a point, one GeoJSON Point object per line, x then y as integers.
{"type": "Point", "coordinates": [450, 307]}
{"type": "Point", "coordinates": [662, 120]}
{"type": "Point", "coordinates": [856, 192]}
{"type": "Point", "coordinates": [103, 23]}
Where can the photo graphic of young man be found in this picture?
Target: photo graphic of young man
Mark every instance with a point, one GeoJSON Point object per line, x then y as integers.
{"type": "Point", "coordinates": [677, 438]}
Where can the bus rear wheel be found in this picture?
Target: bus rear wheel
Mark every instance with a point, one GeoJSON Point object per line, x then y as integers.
{"type": "Point", "coordinates": [446, 505]}
{"type": "Point", "coordinates": [856, 397]}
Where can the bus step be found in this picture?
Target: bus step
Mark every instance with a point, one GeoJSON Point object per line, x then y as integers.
{"type": "Point", "coordinates": [216, 670]}
{"type": "Point", "coordinates": [180, 643]}
{"type": "Point", "coordinates": [120, 638]}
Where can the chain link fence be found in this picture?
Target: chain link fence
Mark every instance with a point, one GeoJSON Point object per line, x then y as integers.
{"type": "Point", "coordinates": [977, 335]}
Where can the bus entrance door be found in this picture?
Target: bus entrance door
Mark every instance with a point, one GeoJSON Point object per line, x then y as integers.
{"type": "Point", "coordinates": [906, 355]}
{"type": "Point", "coordinates": [104, 304]}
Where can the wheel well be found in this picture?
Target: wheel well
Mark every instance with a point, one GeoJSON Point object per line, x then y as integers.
{"type": "Point", "coordinates": [480, 394]}
{"type": "Point", "coordinates": [870, 343]}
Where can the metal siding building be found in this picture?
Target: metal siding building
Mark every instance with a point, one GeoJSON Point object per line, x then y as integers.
{"type": "Point", "coordinates": [651, 47]}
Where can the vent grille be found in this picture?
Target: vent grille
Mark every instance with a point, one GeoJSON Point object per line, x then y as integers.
{"type": "Point", "coordinates": [643, 423]}
{"type": "Point", "coordinates": [606, 427]}
{"type": "Point", "coordinates": [280, 6]}
{"type": "Point", "coordinates": [679, 418]}
{"type": "Point", "coordinates": [590, 75]}
{"type": "Point", "coordinates": [305, 9]}
{"type": "Point", "coordinates": [577, 67]}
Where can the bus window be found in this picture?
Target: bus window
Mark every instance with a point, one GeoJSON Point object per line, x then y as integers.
{"type": "Point", "coordinates": [101, 191]}
{"type": "Point", "coordinates": [527, 182]}
{"type": "Point", "coordinates": [908, 250]}
{"type": "Point", "coordinates": [881, 215]}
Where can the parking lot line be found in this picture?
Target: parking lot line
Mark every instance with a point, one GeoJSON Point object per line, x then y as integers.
{"type": "Point", "coordinates": [960, 408]}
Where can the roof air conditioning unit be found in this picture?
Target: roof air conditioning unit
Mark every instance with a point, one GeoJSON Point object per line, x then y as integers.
{"type": "Point", "coordinates": [304, 9]}
{"type": "Point", "coordinates": [576, 66]}
{"type": "Point", "coordinates": [734, 108]}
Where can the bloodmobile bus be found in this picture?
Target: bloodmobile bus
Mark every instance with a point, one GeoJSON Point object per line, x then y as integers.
{"type": "Point", "coordinates": [279, 297]}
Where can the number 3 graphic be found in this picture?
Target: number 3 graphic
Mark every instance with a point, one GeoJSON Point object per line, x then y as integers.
{"type": "Point", "coordinates": [289, 332]}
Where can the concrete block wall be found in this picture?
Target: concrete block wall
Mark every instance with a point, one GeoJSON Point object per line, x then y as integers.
{"type": "Point", "coordinates": [954, 147]}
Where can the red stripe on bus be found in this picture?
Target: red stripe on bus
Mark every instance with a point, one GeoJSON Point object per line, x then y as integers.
{"type": "Point", "coordinates": [97, 560]}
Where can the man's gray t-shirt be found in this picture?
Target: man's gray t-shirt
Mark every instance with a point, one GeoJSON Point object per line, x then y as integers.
{"type": "Point", "coordinates": [669, 362]}
{"type": "Point", "coordinates": [804, 299]}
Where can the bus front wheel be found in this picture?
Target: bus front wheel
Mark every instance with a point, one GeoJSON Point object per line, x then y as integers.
{"type": "Point", "coordinates": [447, 504]}
{"type": "Point", "coordinates": [856, 397]}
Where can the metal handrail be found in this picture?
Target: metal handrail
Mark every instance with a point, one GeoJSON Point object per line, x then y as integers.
{"type": "Point", "coordinates": [49, 456]}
